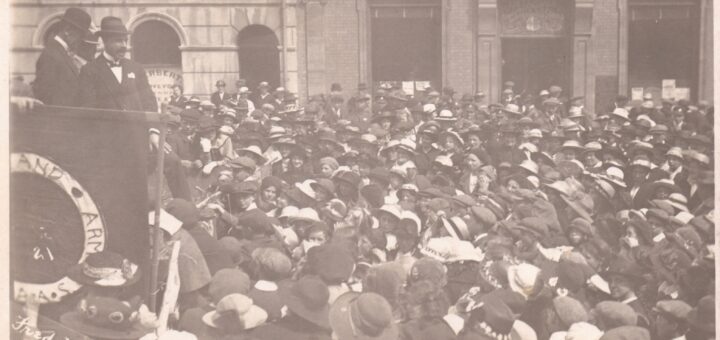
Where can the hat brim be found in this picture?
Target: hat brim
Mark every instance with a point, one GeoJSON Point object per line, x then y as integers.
{"type": "Point", "coordinates": [318, 317]}
{"type": "Point", "coordinates": [76, 274]}
{"type": "Point", "coordinates": [342, 326]}
{"type": "Point", "coordinates": [210, 317]}
{"type": "Point", "coordinates": [75, 321]}
{"type": "Point", "coordinates": [577, 208]}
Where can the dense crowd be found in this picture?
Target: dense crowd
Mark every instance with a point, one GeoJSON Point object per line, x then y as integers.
{"type": "Point", "coordinates": [380, 215]}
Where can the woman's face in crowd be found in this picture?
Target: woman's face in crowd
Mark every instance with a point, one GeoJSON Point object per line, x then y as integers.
{"type": "Point", "coordinates": [322, 195]}
{"type": "Point", "coordinates": [513, 185]}
{"type": "Point", "coordinates": [386, 124]}
{"type": "Point", "coordinates": [638, 175]}
{"type": "Point", "coordinates": [396, 182]}
{"type": "Point", "coordinates": [403, 156]}
{"type": "Point", "coordinates": [674, 162]}
{"type": "Point", "coordinates": [473, 162]}
{"type": "Point", "coordinates": [297, 162]}
{"type": "Point", "coordinates": [450, 143]}
{"type": "Point", "coordinates": [392, 154]}
{"type": "Point", "coordinates": [269, 194]}
{"type": "Point", "coordinates": [590, 159]}
{"type": "Point", "coordinates": [228, 121]}
{"type": "Point", "coordinates": [387, 222]}
{"type": "Point", "coordinates": [569, 154]}
{"type": "Point", "coordinates": [243, 201]}
{"type": "Point", "coordinates": [619, 287]}
{"type": "Point", "coordinates": [318, 237]}
{"type": "Point", "coordinates": [575, 237]}
{"type": "Point", "coordinates": [662, 193]}
{"type": "Point", "coordinates": [474, 141]}
{"type": "Point", "coordinates": [326, 171]}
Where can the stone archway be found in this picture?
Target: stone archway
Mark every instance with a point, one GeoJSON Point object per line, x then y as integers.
{"type": "Point", "coordinates": [259, 56]}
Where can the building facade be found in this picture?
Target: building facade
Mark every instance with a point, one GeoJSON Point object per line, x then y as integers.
{"type": "Point", "coordinates": [596, 49]}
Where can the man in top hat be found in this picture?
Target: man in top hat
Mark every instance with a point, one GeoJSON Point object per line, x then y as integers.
{"type": "Point", "coordinates": [219, 96]}
{"type": "Point", "coordinates": [57, 75]}
{"type": "Point", "coordinates": [111, 81]}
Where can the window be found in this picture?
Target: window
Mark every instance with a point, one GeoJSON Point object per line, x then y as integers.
{"type": "Point", "coordinates": [406, 41]}
{"type": "Point", "coordinates": [259, 55]}
{"type": "Point", "coordinates": [661, 46]}
{"type": "Point", "coordinates": [156, 43]}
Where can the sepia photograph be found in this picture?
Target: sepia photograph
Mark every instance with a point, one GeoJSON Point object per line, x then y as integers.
{"type": "Point", "coordinates": [360, 170]}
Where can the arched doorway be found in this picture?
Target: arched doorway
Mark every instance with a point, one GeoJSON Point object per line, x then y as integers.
{"type": "Point", "coordinates": [156, 45]}
{"type": "Point", "coordinates": [259, 56]}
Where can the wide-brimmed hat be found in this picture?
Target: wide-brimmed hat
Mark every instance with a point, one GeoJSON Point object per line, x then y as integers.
{"type": "Point", "coordinates": [77, 18]}
{"type": "Point", "coordinates": [366, 316]}
{"type": "Point", "coordinates": [112, 26]}
{"type": "Point", "coordinates": [106, 318]}
{"type": "Point", "coordinates": [308, 298]}
{"type": "Point", "coordinates": [105, 269]}
{"type": "Point", "coordinates": [703, 315]}
{"type": "Point", "coordinates": [581, 203]}
{"type": "Point", "coordinates": [255, 152]}
{"type": "Point", "coordinates": [235, 311]}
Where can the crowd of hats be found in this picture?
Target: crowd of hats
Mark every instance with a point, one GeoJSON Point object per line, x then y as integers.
{"type": "Point", "coordinates": [437, 216]}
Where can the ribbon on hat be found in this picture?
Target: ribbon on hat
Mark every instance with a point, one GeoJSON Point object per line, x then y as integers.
{"type": "Point", "coordinates": [109, 276]}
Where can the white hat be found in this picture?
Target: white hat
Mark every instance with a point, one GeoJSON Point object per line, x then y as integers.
{"type": "Point", "coordinates": [622, 113]}
{"type": "Point", "coordinates": [289, 212]}
{"type": "Point", "coordinates": [429, 108]}
{"type": "Point", "coordinates": [522, 278]}
{"type": "Point", "coordinates": [307, 214]}
{"type": "Point", "coordinates": [392, 209]}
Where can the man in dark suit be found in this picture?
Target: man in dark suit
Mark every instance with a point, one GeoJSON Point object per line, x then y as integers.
{"type": "Point", "coordinates": [111, 81]}
{"type": "Point", "coordinates": [263, 96]}
{"type": "Point", "coordinates": [220, 96]}
{"type": "Point", "coordinates": [57, 74]}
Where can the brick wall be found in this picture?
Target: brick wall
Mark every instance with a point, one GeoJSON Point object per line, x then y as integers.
{"type": "Point", "coordinates": [459, 64]}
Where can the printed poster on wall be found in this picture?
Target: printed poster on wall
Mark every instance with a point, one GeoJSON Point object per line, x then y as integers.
{"type": "Point", "coordinates": [682, 93]}
{"type": "Point", "coordinates": [637, 93]}
{"type": "Point", "coordinates": [162, 79]}
{"type": "Point", "coordinates": [668, 89]}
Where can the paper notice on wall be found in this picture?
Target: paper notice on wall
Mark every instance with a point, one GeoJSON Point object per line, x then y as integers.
{"type": "Point", "coordinates": [409, 88]}
{"type": "Point", "coordinates": [421, 85]}
{"type": "Point", "coordinates": [668, 88]}
{"type": "Point", "coordinates": [682, 93]}
{"type": "Point", "coordinates": [637, 93]}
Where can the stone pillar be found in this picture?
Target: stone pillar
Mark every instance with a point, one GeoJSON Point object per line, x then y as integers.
{"type": "Point", "coordinates": [489, 63]}
{"type": "Point", "coordinates": [290, 50]}
{"type": "Point", "coordinates": [583, 75]}
{"type": "Point", "coordinates": [315, 42]}
{"type": "Point", "coordinates": [460, 45]}
{"type": "Point", "coordinates": [706, 86]}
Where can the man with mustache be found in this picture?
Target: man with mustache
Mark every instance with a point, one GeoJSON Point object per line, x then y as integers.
{"type": "Point", "coordinates": [111, 81]}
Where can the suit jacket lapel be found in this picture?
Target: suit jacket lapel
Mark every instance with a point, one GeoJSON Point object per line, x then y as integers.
{"type": "Point", "coordinates": [66, 58]}
{"type": "Point", "coordinates": [107, 78]}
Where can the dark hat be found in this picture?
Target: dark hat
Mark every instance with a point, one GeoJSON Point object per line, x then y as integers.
{"type": "Point", "coordinates": [498, 318]}
{"type": "Point", "coordinates": [105, 269]}
{"type": "Point", "coordinates": [676, 310]}
{"type": "Point", "coordinates": [428, 268]}
{"type": "Point", "coordinates": [243, 163]}
{"type": "Point", "coordinates": [106, 318]}
{"type": "Point", "coordinates": [582, 225]}
{"type": "Point", "coordinates": [77, 18]}
{"type": "Point", "coordinates": [373, 194]}
{"type": "Point", "coordinates": [569, 310]}
{"type": "Point", "coordinates": [627, 333]}
{"type": "Point", "coordinates": [348, 177]}
{"type": "Point", "coordinates": [614, 314]}
{"type": "Point", "coordinates": [573, 276]}
{"type": "Point", "coordinates": [272, 261]}
{"type": "Point", "coordinates": [300, 198]}
{"type": "Point", "coordinates": [703, 315]}
{"type": "Point", "coordinates": [191, 114]}
{"type": "Point", "coordinates": [623, 267]}
{"type": "Point", "coordinates": [220, 83]}
{"type": "Point", "coordinates": [308, 299]}
{"type": "Point", "coordinates": [331, 262]}
{"type": "Point", "coordinates": [228, 281]}
{"type": "Point", "coordinates": [242, 188]}
{"type": "Point", "coordinates": [110, 26]}
{"type": "Point", "coordinates": [363, 316]}
{"type": "Point", "coordinates": [183, 210]}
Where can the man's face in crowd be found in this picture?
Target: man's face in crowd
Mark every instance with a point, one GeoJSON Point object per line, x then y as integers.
{"type": "Point", "coordinates": [177, 91]}
{"type": "Point", "coordinates": [326, 170]}
{"type": "Point", "coordinates": [243, 201]}
{"type": "Point", "coordinates": [115, 45]}
{"type": "Point", "coordinates": [551, 109]}
{"type": "Point", "coordinates": [575, 237]}
{"type": "Point", "coordinates": [270, 193]}
{"type": "Point", "coordinates": [590, 159]}
{"type": "Point", "coordinates": [638, 175]}
{"type": "Point", "coordinates": [188, 127]}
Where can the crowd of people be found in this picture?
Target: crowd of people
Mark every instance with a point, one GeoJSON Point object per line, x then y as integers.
{"type": "Point", "coordinates": [379, 215]}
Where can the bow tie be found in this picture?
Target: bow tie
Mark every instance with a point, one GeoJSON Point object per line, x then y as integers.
{"type": "Point", "coordinates": [113, 63]}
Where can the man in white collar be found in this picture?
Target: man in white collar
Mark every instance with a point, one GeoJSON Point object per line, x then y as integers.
{"type": "Point", "coordinates": [111, 81]}
{"type": "Point", "coordinates": [57, 75]}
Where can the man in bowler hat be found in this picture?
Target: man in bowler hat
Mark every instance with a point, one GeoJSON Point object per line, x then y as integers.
{"type": "Point", "coordinates": [57, 75]}
{"type": "Point", "coordinates": [111, 81]}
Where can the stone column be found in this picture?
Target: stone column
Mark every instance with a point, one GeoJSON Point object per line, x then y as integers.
{"type": "Point", "coordinates": [583, 75]}
{"type": "Point", "coordinates": [315, 42]}
{"type": "Point", "coordinates": [706, 86]}
{"type": "Point", "coordinates": [489, 63]}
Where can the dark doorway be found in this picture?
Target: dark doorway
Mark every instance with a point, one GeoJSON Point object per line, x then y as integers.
{"type": "Point", "coordinates": [259, 56]}
{"type": "Point", "coordinates": [534, 64]}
